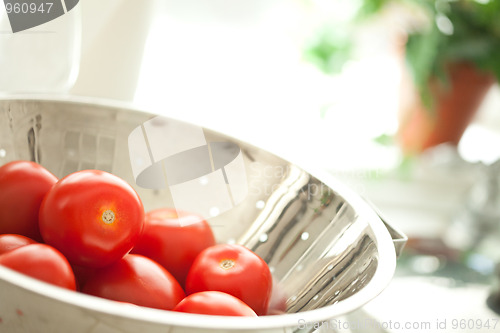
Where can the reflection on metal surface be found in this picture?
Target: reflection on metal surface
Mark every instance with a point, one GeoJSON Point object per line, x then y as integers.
{"type": "Point", "coordinates": [306, 233]}
{"type": "Point", "coordinates": [206, 178]}
{"type": "Point", "coordinates": [328, 250]}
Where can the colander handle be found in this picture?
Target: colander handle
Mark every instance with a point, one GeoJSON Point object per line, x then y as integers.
{"type": "Point", "coordinates": [399, 239]}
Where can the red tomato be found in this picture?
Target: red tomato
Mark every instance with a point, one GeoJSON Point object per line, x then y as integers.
{"type": "Point", "coordinates": [23, 185]}
{"type": "Point", "coordinates": [235, 270]}
{"type": "Point", "coordinates": [42, 262]}
{"type": "Point", "coordinates": [214, 303]}
{"type": "Point", "coordinates": [138, 280]}
{"type": "Point", "coordinates": [172, 239]}
{"type": "Point", "coordinates": [9, 242]}
{"type": "Point", "coordinates": [93, 217]}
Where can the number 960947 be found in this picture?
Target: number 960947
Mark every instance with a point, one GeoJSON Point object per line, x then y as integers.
{"type": "Point", "coordinates": [474, 324]}
{"type": "Point", "coordinates": [28, 7]}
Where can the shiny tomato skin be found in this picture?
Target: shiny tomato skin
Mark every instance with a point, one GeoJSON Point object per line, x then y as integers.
{"type": "Point", "coordinates": [9, 242]}
{"type": "Point", "coordinates": [214, 303]}
{"type": "Point", "coordinates": [138, 280]}
{"type": "Point", "coordinates": [23, 184]}
{"type": "Point", "coordinates": [93, 217]}
{"type": "Point", "coordinates": [42, 262]}
{"type": "Point", "coordinates": [235, 270]}
{"type": "Point", "coordinates": [174, 244]}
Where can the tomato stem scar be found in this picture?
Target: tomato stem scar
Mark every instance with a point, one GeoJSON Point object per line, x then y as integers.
{"type": "Point", "coordinates": [108, 216]}
{"type": "Point", "coordinates": [227, 263]}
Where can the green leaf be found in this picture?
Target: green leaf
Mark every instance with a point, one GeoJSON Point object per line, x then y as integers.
{"type": "Point", "coordinates": [369, 8]}
{"type": "Point", "coordinates": [330, 51]}
{"type": "Point", "coordinates": [385, 140]}
{"type": "Point", "coordinates": [421, 52]}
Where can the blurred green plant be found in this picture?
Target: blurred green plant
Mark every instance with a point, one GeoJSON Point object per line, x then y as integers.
{"type": "Point", "coordinates": [331, 46]}
{"type": "Point", "coordinates": [460, 30]}
{"type": "Point", "coordinates": [330, 51]}
{"type": "Point", "coordinates": [457, 30]}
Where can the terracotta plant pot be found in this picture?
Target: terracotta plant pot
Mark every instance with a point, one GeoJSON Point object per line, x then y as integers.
{"type": "Point", "coordinates": [456, 103]}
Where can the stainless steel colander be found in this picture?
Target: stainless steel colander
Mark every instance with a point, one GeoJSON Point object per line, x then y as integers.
{"type": "Point", "coordinates": [329, 250]}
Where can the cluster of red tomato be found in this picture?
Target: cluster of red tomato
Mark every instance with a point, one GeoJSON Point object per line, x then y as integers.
{"type": "Point", "coordinates": [88, 232]}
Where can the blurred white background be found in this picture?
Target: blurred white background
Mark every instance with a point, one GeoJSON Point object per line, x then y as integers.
{"type": "Point", "coordinates": [237, 67]}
